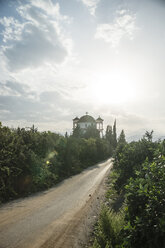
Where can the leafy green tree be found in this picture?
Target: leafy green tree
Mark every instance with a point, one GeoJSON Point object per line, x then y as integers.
{"type": "Point", "coordinates": [139, 169]}
{"type": "Point", "coordinates": [32, 160]}
{"type": "Point", "coordinates": [91, 132]}
{"type": "Point", "coordinates": [148, 136]}
{"type": "Point", "coordinates": [130, 157]}
{"type": "Point", "coordinates": [72, 153]}
{"type": "Point", "coordinates": [102, 149]}
{"type": "Point", "coordinates": [162, 147]}
{"type": "Point", "coordinates": [77, 132]}
{"type": "Point", "coordinates": [145, 206]}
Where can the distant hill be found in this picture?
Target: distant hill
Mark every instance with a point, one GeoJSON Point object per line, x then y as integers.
{"type": "Point", "coordinates": [137, 137]}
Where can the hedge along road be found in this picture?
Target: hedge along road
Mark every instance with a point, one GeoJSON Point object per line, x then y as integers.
{"type": "Point", "coordinates": [51, 218]}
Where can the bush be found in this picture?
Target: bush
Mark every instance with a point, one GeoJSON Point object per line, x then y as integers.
{"type": "Point", "coordinates": [145, 206]}
{"type": "Point", "coordinates": [129, 157]}
{"type": "Point", "coordinates": [139, 173]}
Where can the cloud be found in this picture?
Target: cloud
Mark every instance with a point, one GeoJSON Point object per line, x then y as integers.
{"type": "Point", "coordinates": [122, 26]}
{"type": "Point", "coordinates": [11, 88]}
{"type": "Point", "coordinates": [50, 8]}
{"type": "Point", "coordinates": [35, 48]}
{"type": "Point", "coordinates": [19, 103]}
{"type": "Point", "coordinates": [91, 5]}
{"type": "Point", "coordinates": [12, 29]}
{"type": "Point", "coordinates": [38, 39]}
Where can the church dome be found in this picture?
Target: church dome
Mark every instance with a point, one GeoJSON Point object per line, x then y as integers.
{"type": "Point", "coordinates": [87, 118]}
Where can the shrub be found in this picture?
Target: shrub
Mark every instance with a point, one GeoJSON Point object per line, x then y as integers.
{"type": "Point", "coordinates": [145, 206]}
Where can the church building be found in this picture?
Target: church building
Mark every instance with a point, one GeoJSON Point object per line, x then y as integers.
{"type": "Point", "coordinates": [87, 120]}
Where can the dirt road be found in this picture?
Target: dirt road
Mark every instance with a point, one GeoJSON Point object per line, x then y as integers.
{"type": "Point", "coordinates": [52, 218]}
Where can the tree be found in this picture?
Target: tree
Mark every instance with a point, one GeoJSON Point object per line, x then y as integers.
{"type": "Point", "coordinates": [148, 136]}
{"type": "Point", "coordinates": [31, 160]}
{"type": "Point", "coordinates": [77, 132]}
{"type": "Point", "coordinates": [121, 139]}
{"type": "Point", "coordinates": [109, 138]}
{"type": "Point", "coordinates": [102, 149]}
{"type": "Point", "coordinates": [91, 132]}
{"type": "Point", "coordinates": [114, 134]}
{"type": "Point", "coordinates": [108, 134]}
{"type": "Point", "coordinates": [130, 157]}
{"type": "Point", "coordinates": [146, 220]}
{"type": "Point", "coordinates": [66, 135]}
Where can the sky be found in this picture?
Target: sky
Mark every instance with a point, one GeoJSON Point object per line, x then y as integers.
{"type": "Point", "coordinates": [61, 59]}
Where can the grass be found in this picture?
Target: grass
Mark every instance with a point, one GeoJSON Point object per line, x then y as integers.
{"type": "Point", "coordinates": [108, 230]}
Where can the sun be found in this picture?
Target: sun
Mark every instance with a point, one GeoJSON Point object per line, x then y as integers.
{"type": "Point", "coordinates": [114, 89]}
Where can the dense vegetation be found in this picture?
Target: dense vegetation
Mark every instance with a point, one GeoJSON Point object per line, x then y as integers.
{"type": "Point", "coordinates": [31, 161]}
{"type": "Point", "coordinates": [139, 175]}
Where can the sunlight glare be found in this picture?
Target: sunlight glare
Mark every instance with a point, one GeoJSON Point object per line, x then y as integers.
{"type": "Point", "coordinates": [112, 89]}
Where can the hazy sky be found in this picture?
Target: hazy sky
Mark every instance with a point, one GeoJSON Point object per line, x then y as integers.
{"type": "Point", "coordinates": [59, 59]}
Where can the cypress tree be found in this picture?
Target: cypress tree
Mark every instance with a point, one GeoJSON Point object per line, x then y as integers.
{"type": "Point", "coordinates": [108, 134]}
{"type": "Point", "coordinates": [121, 139]}
{"type": "Point", "coordinates": [114, 135]}
{"type": "Point", "coordinates": [109, 138]}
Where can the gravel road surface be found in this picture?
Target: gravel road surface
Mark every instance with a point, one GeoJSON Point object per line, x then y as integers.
{"type": "Point", "coordinates": [51, 219]}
